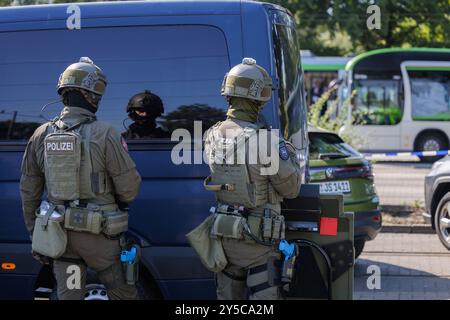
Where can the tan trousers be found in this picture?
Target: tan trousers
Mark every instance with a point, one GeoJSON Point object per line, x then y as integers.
{"type": "Point", "coordinates": [242, 257]}
{"type": "Point", "coordinates": [100, 254]}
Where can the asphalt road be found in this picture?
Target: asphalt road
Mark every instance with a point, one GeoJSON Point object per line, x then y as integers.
{"type": "Point", "coordinates": [400, 183]}
{"type": "Point", "coordinates": [412, 266]}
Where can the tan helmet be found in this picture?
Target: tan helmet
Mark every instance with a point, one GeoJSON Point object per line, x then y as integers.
{"type": "Point", "coordinates": [248, 80]}
{"type": "Point", "coordinates": [83, 75]}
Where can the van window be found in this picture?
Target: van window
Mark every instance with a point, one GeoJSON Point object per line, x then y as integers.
{"type": "Point", "coordinates": [183, 65]}
{"type": "Point", "coordinates": [430, 92]}
{"type": "Point", "coordinates": [292, 103]}
{"type": "Point", "coordinates": [378, 100]}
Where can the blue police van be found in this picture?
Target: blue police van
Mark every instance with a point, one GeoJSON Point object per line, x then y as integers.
{"type": "Point", "coordinates": [179, 50]}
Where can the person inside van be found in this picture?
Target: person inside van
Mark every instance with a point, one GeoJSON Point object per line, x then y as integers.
{"type": "Point", "coordinates": [144, 108]}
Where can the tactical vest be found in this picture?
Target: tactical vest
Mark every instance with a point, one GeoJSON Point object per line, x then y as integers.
{"type": "Point", "coordinates": [232, 182]}
{"type": "Point", "coordinates": [67, 163]}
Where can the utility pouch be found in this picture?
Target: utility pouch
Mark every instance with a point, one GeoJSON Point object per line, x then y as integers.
{"type": "Point", "coordinates": [115, 222]}
{"type": "Point", "coordinates": [209, 250]}
{"type": "Point", "coordinates": [278, 227]}
{"type": "Point", "coordinates": [49, 237]}
{"type": "Point", "coordinates": [83, 220]}
{"type": "Point", "coordinates": [254, 223]}
{"type": "Point", "coordinates": [228, 226]}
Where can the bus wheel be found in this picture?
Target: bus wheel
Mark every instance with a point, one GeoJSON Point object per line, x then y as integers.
{"type": "Point", "coordinates": [431, 142]}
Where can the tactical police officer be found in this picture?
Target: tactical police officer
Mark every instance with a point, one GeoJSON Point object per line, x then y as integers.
{"type": "Point", "coordinates": [143, 108]}
{"type": "Point", "coordinates": [89, 178]}
{"type": "Point", "coordinates": [247, 217]}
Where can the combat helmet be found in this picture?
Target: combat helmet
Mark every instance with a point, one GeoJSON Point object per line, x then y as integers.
{"type": "Point", "coordinates": [248, 80]}
{"type": "Point", "coordinates": [147, 102]}
{"type": "Point", "coordinates": [86, 77]}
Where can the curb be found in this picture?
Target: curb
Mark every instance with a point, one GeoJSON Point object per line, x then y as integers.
{"type": "Point", "coordinates": [414, 228]}
{"type": "Point", "coordinates": [396, 208]}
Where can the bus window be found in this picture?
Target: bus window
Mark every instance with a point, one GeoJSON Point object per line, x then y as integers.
{"type": "Point", "coordinates": [316, 83]}
{"type": "Point", "coordinates": [430, 92]}
{"type": "Point", "coordinates": [292, 106]}
{"type": "Point", "coordinates": [378, 101]}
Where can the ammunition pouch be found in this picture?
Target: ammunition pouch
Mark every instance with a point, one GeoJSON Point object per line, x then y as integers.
{"type": "Point", "coordinates": [49, 237]}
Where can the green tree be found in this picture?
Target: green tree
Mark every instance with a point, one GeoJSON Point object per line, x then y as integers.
{"type": "Point", "coordinates": [404, 23]}
{"type": "Point", "coordinates": [313, 22]}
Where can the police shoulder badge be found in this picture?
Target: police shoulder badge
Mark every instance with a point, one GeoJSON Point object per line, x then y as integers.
{"type": "Point", "coordinates": [284, 154]}
{"type": "Point", "coordinates": [124, 143]}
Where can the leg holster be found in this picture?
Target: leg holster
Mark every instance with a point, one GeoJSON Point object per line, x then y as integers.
{"type": "Point", "coordinates": [264, 276]}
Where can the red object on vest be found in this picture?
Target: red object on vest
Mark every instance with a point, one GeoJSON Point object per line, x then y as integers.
{"type": "Point", "coordinates": [328, 226]}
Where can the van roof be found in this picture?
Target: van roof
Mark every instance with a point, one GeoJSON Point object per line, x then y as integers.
{"type": "Point", "coordinates": [125, 9]}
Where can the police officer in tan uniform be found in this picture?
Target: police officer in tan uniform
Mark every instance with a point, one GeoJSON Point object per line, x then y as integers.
{"type": "Point", "coordinates": [247, 216]}
{"type": "Point", "coordinates": [89, 177]}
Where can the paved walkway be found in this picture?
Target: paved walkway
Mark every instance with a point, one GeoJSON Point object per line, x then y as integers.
{"type": "Point", "coordinates": [413, 266]}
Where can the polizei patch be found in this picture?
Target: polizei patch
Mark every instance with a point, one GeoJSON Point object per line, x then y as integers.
{"type": "Point", "coordinates": [60, 145]}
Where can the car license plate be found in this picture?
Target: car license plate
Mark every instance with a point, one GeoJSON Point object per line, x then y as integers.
{"type": "Point", "coordinates": [335, 187]}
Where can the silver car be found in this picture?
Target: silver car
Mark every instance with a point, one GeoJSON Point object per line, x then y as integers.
{"type": "Point", "coordinates": [437, 199]}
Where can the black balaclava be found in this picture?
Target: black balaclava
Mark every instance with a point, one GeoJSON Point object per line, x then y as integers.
{"type": "Point", "coordinates": [74, 98]}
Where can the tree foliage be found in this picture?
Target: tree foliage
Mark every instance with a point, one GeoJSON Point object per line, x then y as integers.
{"type": "Point", "coordinates": [404, 23]}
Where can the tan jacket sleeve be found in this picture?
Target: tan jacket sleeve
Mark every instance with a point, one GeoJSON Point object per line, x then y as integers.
{"type": "Point", "coordinates": [121, 168]}
{"type": "Point", "coordinates": [32, 180]}
{"type": "Point", "coordinates": [288, 179]}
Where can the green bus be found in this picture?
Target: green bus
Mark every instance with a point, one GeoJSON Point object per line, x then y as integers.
{"type": "Point", "coordinates": [402, 99]}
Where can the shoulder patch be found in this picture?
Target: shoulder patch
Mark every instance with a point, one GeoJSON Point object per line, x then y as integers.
{"type": "Point", "coordinates": [124, 143]}
{"type": "Point", "coordinates": [284, 153]}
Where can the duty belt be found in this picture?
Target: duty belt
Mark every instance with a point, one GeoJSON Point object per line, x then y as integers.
{"type": "Point", "coordinates": [83, 216]}
{"type": "Point", "coordinates": [90, 205]}
{"type": "Point", "coordinates": [272, 229]}
{"type": "Point", "coordinates": [241, 210]}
